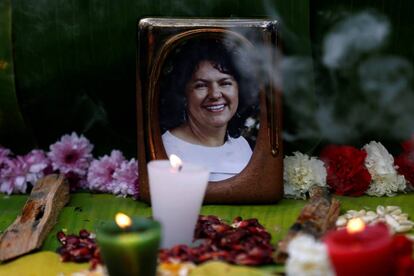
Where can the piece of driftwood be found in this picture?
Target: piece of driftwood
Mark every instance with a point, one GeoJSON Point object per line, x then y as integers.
{"type": "Point", "coordinates": [316, 218]}
{"type": "Point", "coordinates": [39, 215]}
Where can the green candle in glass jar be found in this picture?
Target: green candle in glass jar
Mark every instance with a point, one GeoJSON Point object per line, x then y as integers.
{"type": "Point", "coordinates": [129, 246]}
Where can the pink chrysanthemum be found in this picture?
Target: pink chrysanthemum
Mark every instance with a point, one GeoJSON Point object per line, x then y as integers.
{"type": "Point", "coordinates": [22, 171]}
{"type": "Point", "coordinates": [126, 179]}
{"type": "Point", "coordinates": [72, 154]}
{"type": "Point", "coordinates": [4, 152]}
{"type": "Point", "coordinates": [5, 155]}
{"type": "Point", "coordinates": [5, 169]}
{"type": "Point", "coordinates": [14, 178]}
{"type": "Point", "coordinates": [101, 172]}
{"type": "Point", "coordinates": [36, 163]}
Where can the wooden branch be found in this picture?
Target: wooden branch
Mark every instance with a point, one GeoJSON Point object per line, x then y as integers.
{"type": "Point", "coordinates": [38, 217]}
{"type": "Point", "coordinates": [316, 218]}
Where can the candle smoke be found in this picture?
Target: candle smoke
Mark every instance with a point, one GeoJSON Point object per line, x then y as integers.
{"type": "Point", "coordinates": [355, 35]}
{"type": "Point", "coordinates": [346, 88]}
{"type": "Point", "coordinates": [355, 93]}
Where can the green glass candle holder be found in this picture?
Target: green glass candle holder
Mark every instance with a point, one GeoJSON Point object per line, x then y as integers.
{"type": "Point", "coordinates": [130, 251]}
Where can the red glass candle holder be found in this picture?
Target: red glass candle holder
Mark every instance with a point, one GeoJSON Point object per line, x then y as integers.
{"type": "Point", "coordinates": [368, 252]}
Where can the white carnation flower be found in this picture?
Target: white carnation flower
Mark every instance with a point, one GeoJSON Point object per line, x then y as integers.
{"type": "Point", "coordinates": [300, 173]}
{"type": "Point", "coordinates": [380, 164]}
{"type": "Point", "coordinates": [308, 257]}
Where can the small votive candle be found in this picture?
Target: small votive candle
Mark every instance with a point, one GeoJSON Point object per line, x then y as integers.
{"type": "Point", "coordinates": [361, 250]}
{"type": "Point", "coordinates": [177, 193]}
{"type": "Point", "coordinates": [129, 246]}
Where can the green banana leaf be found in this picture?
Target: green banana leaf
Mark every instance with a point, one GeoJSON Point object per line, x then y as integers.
{"type": "Point", "coordinates": [75, 60]}
{"type": "Point", "coordinates": [14, 133]}
{"type": "Point", "coordinates": [89, 211]}
{"type": "Point", "coordinates": [73, 64]}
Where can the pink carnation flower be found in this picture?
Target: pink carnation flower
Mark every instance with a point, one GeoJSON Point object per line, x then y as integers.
{"type": "Point", "coordinates": [101, 172]}
{"type": "Point", "coordinates": [72, 154]}
{"type": "Point", "coordinates": [126, 179]}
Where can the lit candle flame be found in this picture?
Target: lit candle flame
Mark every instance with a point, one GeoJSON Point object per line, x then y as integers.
{"type": "Point", "coordinates": [176, 162]}
{"type": "Point", "coordinates": [355, 225]}
{"type": "Point", "coordinates": [123, 220]}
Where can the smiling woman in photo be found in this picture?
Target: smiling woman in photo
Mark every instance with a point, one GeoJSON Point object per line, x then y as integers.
{"type": "Point", "coordinates": [207, 94]}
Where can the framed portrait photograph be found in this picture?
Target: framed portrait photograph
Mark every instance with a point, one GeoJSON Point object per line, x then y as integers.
{"type": "Point", "coordinates": [207, 92]}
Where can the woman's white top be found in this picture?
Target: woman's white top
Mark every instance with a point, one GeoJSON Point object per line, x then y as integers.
{"type": "Point", "coordinates": [223, 161]}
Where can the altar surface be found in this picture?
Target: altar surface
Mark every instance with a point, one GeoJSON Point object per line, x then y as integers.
{"type": "Point", "coordinates": [88, 211]}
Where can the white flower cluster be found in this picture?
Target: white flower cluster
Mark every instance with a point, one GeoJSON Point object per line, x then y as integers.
{"type": "Point", "coordinates": [308, 257]}
{"type": "Point", "coordinates": [380, 164]}
{"type": "Point", "coordinates": [300, 173]}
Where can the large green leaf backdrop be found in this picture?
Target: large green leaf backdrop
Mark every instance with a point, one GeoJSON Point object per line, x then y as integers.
{"type": "Point", "coordinates": [74, 65]}
{"type": "Point", "coordinates": [373, 96]}
{"type": "Point", "coordinates": [69, 65]}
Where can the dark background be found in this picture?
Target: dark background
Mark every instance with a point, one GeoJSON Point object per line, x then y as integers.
{"type": "Point", "coordinates": [69, 65]}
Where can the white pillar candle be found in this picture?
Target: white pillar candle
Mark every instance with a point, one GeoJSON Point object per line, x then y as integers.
{"type": "Point", "coordinates": [176, 199]}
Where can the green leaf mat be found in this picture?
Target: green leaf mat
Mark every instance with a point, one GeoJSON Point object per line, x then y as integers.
{"type": "Point", "coordinates": [90, 210]}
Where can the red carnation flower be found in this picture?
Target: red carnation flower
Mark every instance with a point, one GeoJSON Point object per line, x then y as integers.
{"type": "Point", "coordinates": [408, 145]}
{"type": "Point", "coordinates": [402, 253]}
{"type": "Point", "coordinates": [405, 161]}
{"type": "Point", "coordinates": [405, 165]}
{"type": "Point", "coordinates": [346, 171]}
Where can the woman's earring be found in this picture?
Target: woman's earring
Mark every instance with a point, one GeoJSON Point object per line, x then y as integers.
{"type": "Point", "coordinates": [184, 112]}
{"type": "Point", "coordinates": [184, 116]}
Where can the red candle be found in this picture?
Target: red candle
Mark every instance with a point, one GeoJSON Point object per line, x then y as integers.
{"type": "Point", "coordinates": [366, 250]}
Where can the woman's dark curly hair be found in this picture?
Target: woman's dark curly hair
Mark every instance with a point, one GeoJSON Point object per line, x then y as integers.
{"type": "Point", "coordinates": [177, 71]}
